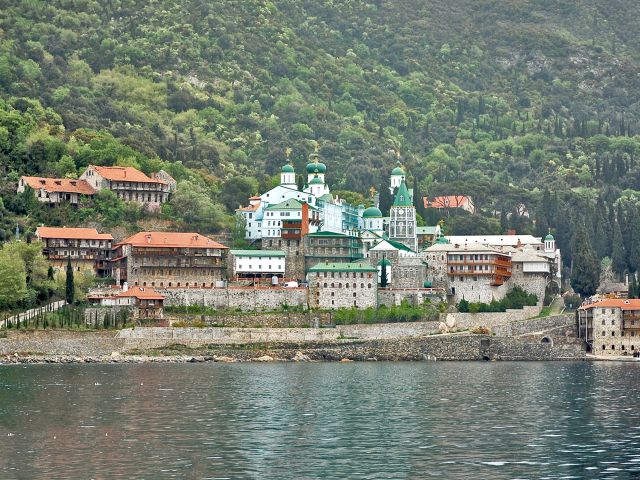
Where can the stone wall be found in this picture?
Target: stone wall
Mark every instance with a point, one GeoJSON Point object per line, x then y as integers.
{"type": "Point", "coordinates": [463, 321]}
{"type": "Point", "coordinates": [415, 296]}
{"type": "Point", "coordinates": [194, 337]}
{"type": "Point", "coordinates": [434, 347]}
{"type": "Point", "coordinates": [261, 320]}
{"type": "Point", "coordinates": [55, 342]}
{"type": "Point", "coordinates": [530, 325]}
{"type": "Point", "coordinates": [243, 298]}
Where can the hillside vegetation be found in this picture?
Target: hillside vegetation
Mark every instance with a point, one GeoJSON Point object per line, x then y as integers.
{"type": "Point", "coordinates": [528, 106]}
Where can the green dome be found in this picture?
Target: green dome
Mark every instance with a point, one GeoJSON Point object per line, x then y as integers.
{"type": "Point", "coordinates": [398, 170]}
{"type": "Point", "coordinates": [442, 240]}
{"type": "Point", "coordinates": [385, 261]}
{"type": "Point", "coordinates": [287, 169]}
{"type": "Point", "coordinates": [549, 238]}
{"type": "Point", "coordinates": [372, 212]}
{"type": "Point", "coordinates": [316, 181]}
{"type": "Point", "coordinates": [316, 167]}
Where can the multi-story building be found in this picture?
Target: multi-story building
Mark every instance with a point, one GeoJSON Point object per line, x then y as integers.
{"type": "Point", "coordinates": [611, 326]}
{"type": "Point", "coordinates": [85, 247]}
{"type": "Point", "coordinates": [145, 302]}
{"type": "Point", "coordinates": [343, 285]}
{"type": "Point", "coordinates": [478, 273]}
{"type": "Point", "coordinates": [331, 247]}
{"type": "Point", "coordinates": [257, 263]}
{"type": "Point", "coordinates": [402, 222]}
{"type": "Point", "coordinates": [169, 260]}
{"type": "Point", "coordinates": [54, 191]}
{"type": "Point", "coordinates": [129, 184]}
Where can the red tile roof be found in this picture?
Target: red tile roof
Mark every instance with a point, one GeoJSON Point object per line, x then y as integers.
{"type": "Point", "coordinates": [64, 185]}
{"type": "Point", "coordinates": [448, 201]}
{"type": "Point", "coordinates": [171, 240]}
{"type": "Point", "coordinates": [622, 303]}
{"type": "Point", "coordinates": [125, 174]}
{"type": "Point", "coordinates": [142, 293]}
{"type": "Point", "coordinates": [72, 233]}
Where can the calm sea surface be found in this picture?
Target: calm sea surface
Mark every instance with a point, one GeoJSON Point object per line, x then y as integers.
{"type": "Point", "coordinates": [329, 420]}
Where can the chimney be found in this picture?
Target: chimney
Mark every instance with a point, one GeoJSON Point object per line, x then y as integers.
{"type": "Point", "coordinates": [304, 228]}
{"type": "Point", "coordinates": [511, 231]}
{"type": "Point", "coordinates": [148, 237]}
{"type": "Point", "coordinates": [125, 287]}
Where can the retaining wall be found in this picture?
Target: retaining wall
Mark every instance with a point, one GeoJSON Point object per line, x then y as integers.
{"type": "Point", "coordinates": [243, 298]}
{"type": "Point", "coordinates": [465, 321]}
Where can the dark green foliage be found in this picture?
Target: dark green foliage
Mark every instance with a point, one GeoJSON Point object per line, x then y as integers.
{"type": "Point", "coordinates": [516, 298]}
{"type": "Point", "coordinates": [225, 88]}
{"type": "Point", "coordinates": [384, 276]}
{"type": "Point", "coordinates": [585, 274]}
{"type": "Point", "coordinates": [618, 254]}
{"type": "Point", "coordinates": [69, 292]}
{"type": "Point", "coordinates": [395, 314]}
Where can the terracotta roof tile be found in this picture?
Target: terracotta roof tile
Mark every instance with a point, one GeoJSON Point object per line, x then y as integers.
{"type": "Point", "coordinates": [448, 201]}
{"type": "Point", "coordinates": [143, 293]}
{"type": "Point", "coordinates": [125, 174]}
{"type": "Point", "coordinates": [65, 185]}
{"type": "Point", "coordinates": [72, 233]}
{"type": "Point", "coordinates": [171, 240]}
{"type": "Point", "coordinates": [624, 304]}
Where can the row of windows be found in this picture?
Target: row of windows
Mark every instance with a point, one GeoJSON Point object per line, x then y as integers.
{"type": "Point", "coordinates": [346, 285]}
{"type": "Point", "coordinates": [141, 197]}
{"type": "Point", "coordinates": [613, 347]}
{"type": "Point", "coordinates": [622, 334]}
{"type": "Point", "coordinates": [346, 274]}
{"type": "Point", "coordinates": [178, 284]}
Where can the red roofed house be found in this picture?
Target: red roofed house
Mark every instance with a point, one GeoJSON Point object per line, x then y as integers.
{"type": "Point", "coordinates": [130, 184]}
{"type": "Point", "coordinates": [86, 248]}
{"type": "Point", "coordinates": [611, 326]}
{"type": "Point", "coordinates": [450, 201]}
{"type": "Point", "coordinates": [145, 302]}
{"type": "Point", "coordinates": [169, 260]}
{"type": "Point", "coordinates": [53, 191]}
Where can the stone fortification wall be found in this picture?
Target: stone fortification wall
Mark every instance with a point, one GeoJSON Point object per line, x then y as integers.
{"type": "Point", "coordinates": [415, 296]}
{"type": "Point", "coordinates": [464, 321]}
{"type": "Point", "coordinates": [435, 347]}
{"type": "Point", "coordinates": [522, 327]}
{"type": "Point", "coordinates": [194, 337]}
{"type": "Point", "coordinates": [50, 342]}
{"type": "Point", "coordinates": [247, 299]}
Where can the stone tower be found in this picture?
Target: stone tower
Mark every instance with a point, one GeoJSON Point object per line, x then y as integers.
{"type": "Point", "coordinates": [402, 221]}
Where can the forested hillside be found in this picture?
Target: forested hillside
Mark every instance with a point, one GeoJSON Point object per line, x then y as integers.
{"type": "Point", "coordinates": [527, 106]}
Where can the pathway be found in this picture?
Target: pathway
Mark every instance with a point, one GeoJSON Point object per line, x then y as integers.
{"type": "Point", "coordinates": [51, 307]}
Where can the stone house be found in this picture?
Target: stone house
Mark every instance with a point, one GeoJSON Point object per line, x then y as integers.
{"type": "Point", "coordinates": [144, 302]}
{"type": "Point", "coordinates": [343, 285]}
{"type": "Point", "coordinates": [169, 260]}
{"type": "Point", "coordinates": [611, 326]}
{"type": "Point", "coordinates": [330, 247]}
{"type": "Point", "coordinates": [54, 191]}
{"type": "Point", "coordinates": [129, 184]}
{"type": "Point", "coordinates": [85, 247]}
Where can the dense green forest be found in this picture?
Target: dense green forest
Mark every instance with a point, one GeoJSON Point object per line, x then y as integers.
{"type": "Point", "coordinates": [531, 107]}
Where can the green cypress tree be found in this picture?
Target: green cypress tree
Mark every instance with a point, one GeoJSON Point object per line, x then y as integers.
{"type": "Point", "coordinates": [618, 254]}
{"type": "Point", "coordinates": [384, 277]}
{"type": "Point", "coordinates": [601, 230]}
{"type": "Point", "coordinates": [634, 252]}
{"type": "Point", "coordinates": [69, 293]}
{"type": "Point", "coordinates": [585, 274]}
{"type": "Point", "coordinates": [633, 286]}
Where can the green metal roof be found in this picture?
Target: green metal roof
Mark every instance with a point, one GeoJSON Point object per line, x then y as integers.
{"type": "Point", "coordinates": [288, 169]}
{"type": "Point", "coordinates": [327, 234]}
{"type": "Point", "coordinates": [316, 166]}
{"type": "Point", "coordinates": [403, 199]}
{"type": "Point", "coordinates": [343, 267]}
{"type": "Point", "coordinates": [549, 238]}
{"type": "Point", "coordinates": [326, 197]}
{"type": "Point", "coordinates": [372, 212]}
{"type": "Point", "coordinates": [393, 243]}
{"type": "Point", "coordinates": [316, 181]}
{"type": "Point", "coordinates": [398, 170]}
{"type": "Point", "coordinates": [258, 253]}
{"type": "Point", "coordinates": [291, 204]}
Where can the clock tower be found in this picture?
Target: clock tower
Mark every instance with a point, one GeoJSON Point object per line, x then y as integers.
{"type": "Point", "coordinates": [402, 221]}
